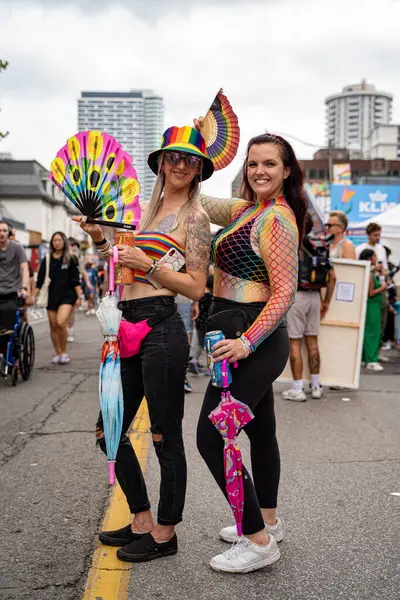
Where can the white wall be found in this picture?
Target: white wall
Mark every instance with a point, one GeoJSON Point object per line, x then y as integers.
{"type": "Point", "coordinates": [41, 216]}
{"type": "Point", "coordinates": [384, 142]}
{"type": "Point", "coordinates": [27, 211]}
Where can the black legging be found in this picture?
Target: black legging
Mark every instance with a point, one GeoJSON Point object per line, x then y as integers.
{"type": "Point", "coordinates": [252, 384]}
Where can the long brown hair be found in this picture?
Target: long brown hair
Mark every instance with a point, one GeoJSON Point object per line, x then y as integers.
{"type": "Point", "coordinates": [292, 186]}
{"type": "Point", "coordinates": [66, 256]}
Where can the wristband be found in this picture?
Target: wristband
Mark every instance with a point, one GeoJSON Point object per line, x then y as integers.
{"type": "Point", "coordinates": [152, 268]}
{"type": "Point", "coordinates": [247, 346]}
{"type": "Point", "coordinates": [103, 241]}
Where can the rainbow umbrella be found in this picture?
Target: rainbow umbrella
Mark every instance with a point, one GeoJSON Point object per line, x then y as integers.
{"type": "Point", "coordinates": [229, 417]}
{"type": "Point", "coordinates": [110, 387]}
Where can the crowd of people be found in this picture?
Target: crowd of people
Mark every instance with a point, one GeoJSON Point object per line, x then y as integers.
{"type": "Point", "coordinates": [263, 291]}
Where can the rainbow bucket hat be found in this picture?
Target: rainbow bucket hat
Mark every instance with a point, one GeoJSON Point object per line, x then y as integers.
{"type": "Point", "coordinates": [183, 139]}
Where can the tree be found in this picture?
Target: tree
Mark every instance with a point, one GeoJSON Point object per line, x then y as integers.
{"type": "Point", "coordinates": [3, 66]}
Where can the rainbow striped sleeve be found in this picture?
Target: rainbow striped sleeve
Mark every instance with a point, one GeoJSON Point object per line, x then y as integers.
{"type": "Point", "coordinates": [279, 250]}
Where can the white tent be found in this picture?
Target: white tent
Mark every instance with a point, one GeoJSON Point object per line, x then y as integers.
{"type": "Point", "coordinates": [390, 223]}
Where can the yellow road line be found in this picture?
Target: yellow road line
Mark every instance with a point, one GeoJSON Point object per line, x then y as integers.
{"type": "Point", "coordinates": [108, 577]}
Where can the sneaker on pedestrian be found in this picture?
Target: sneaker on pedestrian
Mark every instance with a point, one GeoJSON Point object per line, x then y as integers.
{"type": "Point", "coordinates": [193, 366]}
{"type": "Point", "coordinates": [295, 396]}
{"type": "Point", "coordinates": [64, 359]}
{"type": "Point", "coordinates": [120, 537]}
{"type": "Point", "coordinates": [229, 534]}
{"type": "Point", "coordinates": [207, 372]}
{"type": "Point", "coordinates": [383, 359]}
{"type": "Point", "coordinates": [387, 346]}
{"type": "Point", "coordinates": [188, 387]}
{"type": "Point", "coordinates": [56, 360]}
{"type": "Point", "coordinates": [374, 366]}
{"type": "Point", "coordinates": [147, 549]}
{"type": "Point", "coordinates": [245, 556]}
{"type": "Point", "coordinates": [316, 393]}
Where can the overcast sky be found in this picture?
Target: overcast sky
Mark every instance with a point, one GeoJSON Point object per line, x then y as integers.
{"type": "Point", "coordinates": [277, 60]}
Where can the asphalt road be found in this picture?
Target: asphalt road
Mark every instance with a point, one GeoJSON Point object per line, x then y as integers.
{"type": "Point", "coordinates": [340, 465]}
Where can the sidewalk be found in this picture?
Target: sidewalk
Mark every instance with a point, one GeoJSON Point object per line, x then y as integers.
{"type": "Point", "coordinates": [340, 464]}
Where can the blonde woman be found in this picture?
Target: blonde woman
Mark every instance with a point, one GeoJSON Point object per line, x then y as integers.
{"type": "Point", "coordinates": [341, 247]}
{"type": "Point", "coordinates": [174, 219]}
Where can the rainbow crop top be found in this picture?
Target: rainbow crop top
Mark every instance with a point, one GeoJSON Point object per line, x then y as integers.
{"type": "Point", "coordinates": [258, 246]}
{"type": "Point", "coordinates": [155, 245]}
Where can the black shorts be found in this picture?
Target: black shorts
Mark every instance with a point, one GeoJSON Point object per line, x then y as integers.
{"type": "Point", "coordinates": [9, 305]}
{"type": "Point", "coordinates": [55, 302]}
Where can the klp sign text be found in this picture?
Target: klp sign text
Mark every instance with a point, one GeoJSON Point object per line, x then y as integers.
{"type": "Point", "coordinates": [361, 202]}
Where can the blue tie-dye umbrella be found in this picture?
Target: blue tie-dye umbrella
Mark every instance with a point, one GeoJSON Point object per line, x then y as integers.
{"type": "Point", "coordinates": [110, 387]}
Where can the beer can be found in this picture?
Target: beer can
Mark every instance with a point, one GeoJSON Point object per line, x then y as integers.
{"type": "Point", "coordinates": [210, 339]}
{"type": "Point", "coordinates": [124, 275]}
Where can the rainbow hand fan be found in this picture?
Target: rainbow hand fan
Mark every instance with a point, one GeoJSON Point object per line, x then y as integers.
{"type": "Point", "coordinates": [221, 132]}
{"type": "Point", "coordinates": [98, 177]}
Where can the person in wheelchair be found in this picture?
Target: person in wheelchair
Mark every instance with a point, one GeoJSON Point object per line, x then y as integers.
{"type": "Point", "coordinates": [14, 277]}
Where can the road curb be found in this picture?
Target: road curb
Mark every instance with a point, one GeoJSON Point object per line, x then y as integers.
{"type": "Point", "coordinates": [108, 577]}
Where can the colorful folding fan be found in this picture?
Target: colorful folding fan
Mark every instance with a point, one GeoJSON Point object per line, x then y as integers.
{"type": "Point", "coordinates": [98, 177]}
{"type": "Point", "coordinates": [221, 132]}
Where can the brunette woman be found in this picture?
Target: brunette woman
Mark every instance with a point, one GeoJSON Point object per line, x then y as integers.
{"type": "Point", "coordinates": [64, 292]}
{"type": "Point", "coordinates": [174, 220]}
{"type": "Point", "coordinates": [255, 281]}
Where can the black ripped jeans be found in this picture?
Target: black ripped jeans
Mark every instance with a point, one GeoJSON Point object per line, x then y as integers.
{"type": "Point", "coordinates": [158, 373]}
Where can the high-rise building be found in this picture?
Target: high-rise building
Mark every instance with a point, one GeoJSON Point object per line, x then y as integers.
{"type": "Point", "coordinates": [352, 115]}
{"type": "Point", "coordinates": [135, 119]}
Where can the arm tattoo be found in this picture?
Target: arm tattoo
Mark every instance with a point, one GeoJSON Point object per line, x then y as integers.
{"type": "Point", "coordinates": [198, 242]}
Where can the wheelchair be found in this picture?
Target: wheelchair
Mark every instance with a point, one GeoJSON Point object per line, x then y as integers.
{"type": "Point", "coordinates": [17, 346]}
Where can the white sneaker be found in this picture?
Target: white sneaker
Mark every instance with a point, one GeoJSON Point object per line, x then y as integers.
{"type": "Point", "coordinates": [56, 360]}
{"type": "Point", "coordinates": [374, 367]}
{"type": "Point", "coordinates": [292, 395]}
{"type": "Point", "coordinates": [229, 534]}
{"type": "Point", "coordinates": [383, 359]}
{"type": "Point", "coordinates": [317, 393]}
{"type": "Point", "coordinates": [387, 346]}
{"type": "Point", "coordinates": [245, 556]}
{"type": "Point", "coordinates": [64, 359]}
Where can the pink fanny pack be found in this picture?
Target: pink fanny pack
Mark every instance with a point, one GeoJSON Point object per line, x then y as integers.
{"type": "Point", "coordinates": [131, 335]}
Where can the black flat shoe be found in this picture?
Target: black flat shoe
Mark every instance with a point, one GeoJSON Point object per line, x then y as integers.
{"type": "Point", "coordinates": [120, 537]}
{"type": "Point", "coordinates": [147, 549]}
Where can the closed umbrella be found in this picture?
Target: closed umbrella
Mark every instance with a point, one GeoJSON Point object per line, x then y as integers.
{"type": "Point", "coordinates": [229, 417]}
{"type": "Point", "coordinates": [110, 387]}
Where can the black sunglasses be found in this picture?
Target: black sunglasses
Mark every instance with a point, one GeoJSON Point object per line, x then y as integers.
{"type": "Point", "coordinates": [174, 158]}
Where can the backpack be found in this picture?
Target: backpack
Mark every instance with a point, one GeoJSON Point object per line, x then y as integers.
{"type": "Point", "coordinates": [315, 263]}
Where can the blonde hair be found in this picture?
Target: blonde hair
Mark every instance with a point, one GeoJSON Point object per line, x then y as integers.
{"type": "Point", "coordinates": [341, 216]}
{"type": "Point", "coordinates": [157, 198]}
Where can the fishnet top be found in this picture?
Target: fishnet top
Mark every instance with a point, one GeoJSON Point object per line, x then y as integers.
{"type": "Point", "coordinates": [256, 255]}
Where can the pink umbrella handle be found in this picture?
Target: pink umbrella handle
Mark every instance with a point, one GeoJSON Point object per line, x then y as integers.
{"type": "Point", "coordinates": [111, 269]}
{"type": "Point", "coordinates": [225, 381]}
{"type": "Point", "coordinates": [111, 472]}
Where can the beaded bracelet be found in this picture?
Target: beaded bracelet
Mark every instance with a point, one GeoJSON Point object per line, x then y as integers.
{"type": "Point", "coordinates": [106, 251]}
{"type": "Point", "coordinates": [247, 346]}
